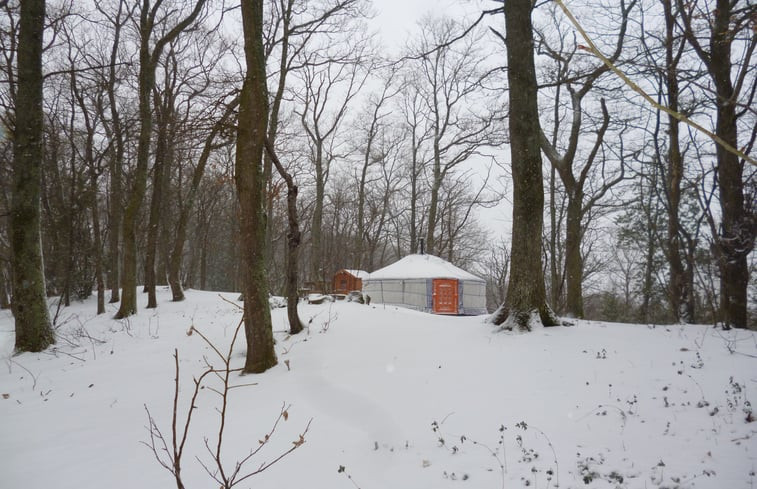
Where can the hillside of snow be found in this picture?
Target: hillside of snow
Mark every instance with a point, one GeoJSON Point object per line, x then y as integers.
{"type": "Point", "coordinates": [385, 397]}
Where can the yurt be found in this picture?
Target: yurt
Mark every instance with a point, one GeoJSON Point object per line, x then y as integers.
{"type": "Point", "coordinates": [427, 283]}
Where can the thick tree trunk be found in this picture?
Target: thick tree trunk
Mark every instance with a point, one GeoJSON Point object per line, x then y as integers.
{"type": "Point", "coordinates": [414, 198]}
{"type": "Point", "coordinates": [114, 224]}
{"type": "Point", "coordinates": [316, 231]}
{"type": "Point", "coordinates": [139, 178]}
{"type": "Point", "coordinates": [526, 302]}
{"type": "Point", "coordinates": [174, 265]}
{"type": "Point", "coordinates": [737, 232]}
{"type": "Point", "coordinates": [156, 203]}
{"type": "Point", "coordinates": [5, 300]}
{"type": "Point", "coordinates": [434, 203]}
{"type": "Point", "coordinates": [737, 229]}
{"type": "Point", "coordinates": [360, 234]}
{"type": "Point", "coordinates": [250, 182]}
{"type": "Point", "coordinates": [204, 265]}
{"type": "Point", "coordinates": [573, 260]}
{"type": "Point", "coordinates": [293, 243]}
{"type": "Point", "coordinates": [33, 329]}
{"type": "Point", "coordinates": [556, 283]}
{"type": "Point", "coordinates": [100, 283]}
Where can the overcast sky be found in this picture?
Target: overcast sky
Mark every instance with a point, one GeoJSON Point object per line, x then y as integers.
{"type": "Point", "coordinates": [396, 22]}
{"type": "Point", "coordinates": [396, 19]}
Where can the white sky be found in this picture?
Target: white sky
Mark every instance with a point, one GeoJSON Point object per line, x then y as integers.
{"type": "Point", "coordinates": [396, 19]}
{"type": "Point", "coordinates": [396, 22]}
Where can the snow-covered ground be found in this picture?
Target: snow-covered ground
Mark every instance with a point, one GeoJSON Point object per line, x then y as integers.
{"type": "Point", "coordinates": [397, 399]}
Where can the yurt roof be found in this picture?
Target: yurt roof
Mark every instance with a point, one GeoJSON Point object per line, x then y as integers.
{"type": "Point", "coordinates": [422, 266]}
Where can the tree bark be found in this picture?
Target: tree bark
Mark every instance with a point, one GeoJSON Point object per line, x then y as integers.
{"type": "Point", "coordinates": [737, 231]}
{"type": "Point", "coordinates": [738, 227]}
{"type": "Point", "coordinates": [250, 183]}
{"type": "Point", "coordinates": [162, 160]}
{"type": "Point", "coordinates": [316, 229]}
{"type": "Point", "coordinates": [139, 178]}
{"type": "Point", "coordinates": [293, 242]}
{"type": "Point", "coordinates": [33, 329]}
{"type": "Point", "coordinates": [5, 300]}
{"type": "Point", "coordinates": [526, 303]}
{"type": "Point", "coordinates": [100, 283]}
{"type": "Point", "coordinates": [555, 264]}
{"type": "Point", "coordinates": [573, 259]}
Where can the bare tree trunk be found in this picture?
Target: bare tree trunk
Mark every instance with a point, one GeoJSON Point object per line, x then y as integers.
{"type": "Point", "coordinates": [738, 228]}
{"type": "Point", "coordinates": [575, 179]}
{"type": "Point", "coordinates": [679, 294]}
{"type": "Point", "coordinates": [5, 300]}
{"type": "Point", "coordinates": [573, 259]}
{"type": "Point", "coordinates": [177, 252]}
{"type": "Point", "coordinates": [98, 245]}
{"type": "Point", "coordinates": [316, 231]}
{"type": "Point", "coordinates": [737, 234]}
{"type": "Point", "coordinates": [94, 170]}
{"type": "Point", "coordinates": [162, 160]}
{"type": "Point", "coordinates": [526, 295]}
{"type": "Point", "coordinates": [139, 178]}
{"type": "Point", "coordinates": [250, 182]}
{"type": "Point", "coordinates": [154, 222]}
{"type": "Point", "coordinates": [293, 243]}
{"type": "Point", "coordinates": [434, 203]}
{"type": "Point", "coordinates": [555, 265]}
{"type": "Point", "coordinates": [33, 329]}
{"type": "Point", "coordinates": [414, 199]}
{"type": "Point", "coordinates": [148, 61]}
{"type": "Point", "coordinates": [115, 167]}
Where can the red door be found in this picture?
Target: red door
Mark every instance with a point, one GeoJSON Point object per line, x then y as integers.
{"type": "Point", "coordinates": [445, 296]}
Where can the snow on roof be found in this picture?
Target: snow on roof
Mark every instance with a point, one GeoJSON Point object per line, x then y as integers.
{"type": "Point", "coordinates": [361, 274]}
{"type": "Point", "coordinates": [422, 266]}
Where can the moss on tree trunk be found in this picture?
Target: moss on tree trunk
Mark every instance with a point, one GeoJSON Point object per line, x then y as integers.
{"type": "Point", "coordinates": [250, 182]}
{"type": "Point", "coordinates": [33, 329]}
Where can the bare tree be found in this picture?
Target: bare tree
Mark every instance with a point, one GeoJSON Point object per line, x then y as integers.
{"type": "Point", "coordinates": [33, 329]}
{"type": "Point", "coordinates": [250, 183]}
{"type": "Point", "coordinates": [725, 23]}
{"type": "Point", "coordinates": [373, 125]}
{"type": "Point", "coordinates": [297, 28]}
{"type": "Point", "coordinates": [526, 302]}
{"type": "Point", "coordinates": [496, 268]}
{"type": "Point", "coordinates": [149, 54]}
{"type": "Point", "coordinates": [465, 114]}
{"type": "Point", "coordinates": [192, 102]}
{"type": "Point", "coordinates": [187, 203]}
{"type": "Point", "coordinates": [417, 121]}
{"type": "Point", "coordinates": [330, 85]}
{"type": "Point", "coordinates": [117, 133]}
{"type": "Point", "coordinates": [575, 178]}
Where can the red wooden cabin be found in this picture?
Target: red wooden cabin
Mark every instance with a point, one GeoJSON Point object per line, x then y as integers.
{"type": "Point", "coordinates": [345, 281]}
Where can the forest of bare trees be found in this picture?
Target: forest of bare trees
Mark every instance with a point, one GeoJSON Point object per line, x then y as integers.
{"type": "Point", "coordinates": [209, 144]}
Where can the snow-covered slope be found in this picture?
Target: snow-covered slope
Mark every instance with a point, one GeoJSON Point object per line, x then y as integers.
{"type": "Point", "coordinates": [595, 405]}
